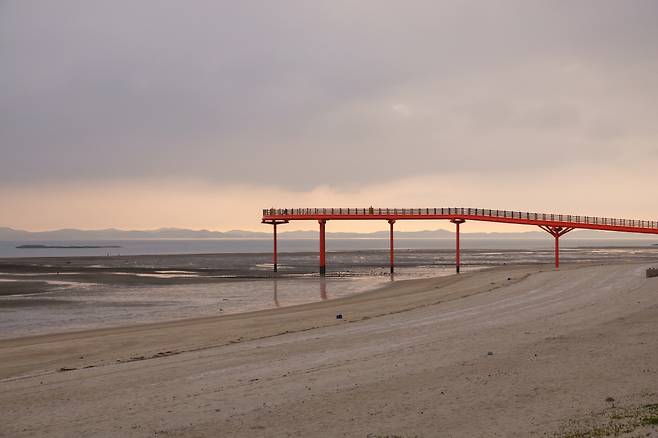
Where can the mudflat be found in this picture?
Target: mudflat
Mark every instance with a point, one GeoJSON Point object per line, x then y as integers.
{"type": "Point", "coordinates": [510, 351]}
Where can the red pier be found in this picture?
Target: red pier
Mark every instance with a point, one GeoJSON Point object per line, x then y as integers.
{"type": "Point", "coordinates": [555, 224]}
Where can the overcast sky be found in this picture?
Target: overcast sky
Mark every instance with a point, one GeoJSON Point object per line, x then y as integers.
{"type": "Point", "coordinates": [142, 114]}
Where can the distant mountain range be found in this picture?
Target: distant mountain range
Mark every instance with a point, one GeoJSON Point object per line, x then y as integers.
{"type": "Point", "coordinates": [12, 235]}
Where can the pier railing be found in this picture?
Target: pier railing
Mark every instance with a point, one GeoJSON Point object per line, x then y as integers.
{"type": "Point", "coordinates": [465, 212]}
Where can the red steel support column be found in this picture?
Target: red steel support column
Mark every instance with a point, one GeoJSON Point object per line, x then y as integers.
{"type": "Point", "coordinates": [274, 254]}
{"type": "Point", "coordinates": [457, 255]}
{"type": "Point", "coordinates": [557, 251]}
{"type": "Point", "coordinates": [392, 253]}
{"type": "Point", "coordinates": [457, 222]}
{"type": "Point", "coordinates": [323, 263]}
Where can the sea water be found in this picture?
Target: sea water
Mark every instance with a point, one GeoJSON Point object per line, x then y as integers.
{"type": "Point", "coordinates": [249, 282]}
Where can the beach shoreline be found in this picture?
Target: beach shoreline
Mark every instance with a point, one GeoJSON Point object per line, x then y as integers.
{"type": "Point", "coordinates": [550, 346]}
{"type": "Point", "coordinates": [282, 320]}
{"type": "Point", "coordinates": [46, 295]}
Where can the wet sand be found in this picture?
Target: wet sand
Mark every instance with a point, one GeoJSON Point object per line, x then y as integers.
{"type": "Point", "coordinates": [46, 295]}
{"type": "Point", "coordinates": [511, 351]}
{"type": "Point", "coordinates": [13, 287]}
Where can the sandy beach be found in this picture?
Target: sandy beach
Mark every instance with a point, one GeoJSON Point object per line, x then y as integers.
{"type": "Point", "coordinates": [510, 351]}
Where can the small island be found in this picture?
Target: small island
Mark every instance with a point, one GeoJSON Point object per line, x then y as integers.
{"type": "Point", "coordinates": [66, 246]}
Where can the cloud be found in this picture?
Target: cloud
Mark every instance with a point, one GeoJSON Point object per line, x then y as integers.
{"type": "Point", "coordinates": [401, 109]}
{"type": "Point", "coordinates": [301, 96]}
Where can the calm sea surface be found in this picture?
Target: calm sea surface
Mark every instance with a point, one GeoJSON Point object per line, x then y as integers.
{"type": "Point", "coordinates": [205, 246]}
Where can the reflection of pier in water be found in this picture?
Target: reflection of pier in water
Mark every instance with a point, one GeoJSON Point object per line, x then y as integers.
{"type": "Point", "coordinates": [323, 289]}
{"type": "Point", "coordinates": [275, 286]}
{"type": "Point", "coordinates": [275, 290]}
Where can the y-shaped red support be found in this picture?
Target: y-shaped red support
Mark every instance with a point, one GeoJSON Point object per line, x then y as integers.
{"type": "Point", "coordinates": [556, 232]}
